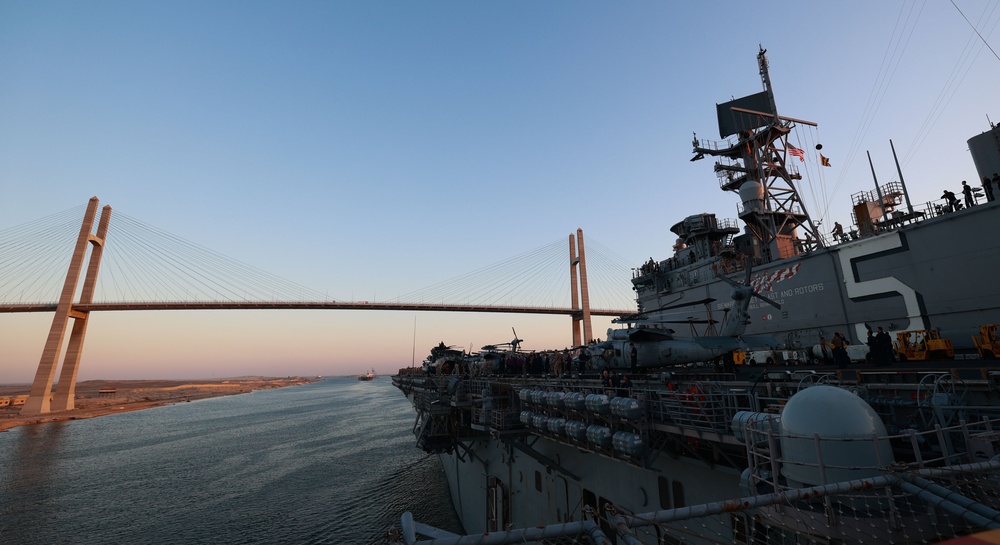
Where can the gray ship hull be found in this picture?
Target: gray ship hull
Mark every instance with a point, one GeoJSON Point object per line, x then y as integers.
{"type": "Point", "coordinates": [938, 273]}
{"type": "Point", "coordinates": [716, 455]}
{"type": "Point", "coordinates": [501, 486]}
{"type": "Point", "coordinates": [666, 458]}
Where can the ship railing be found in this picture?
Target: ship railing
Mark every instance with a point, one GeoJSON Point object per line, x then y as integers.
{"type": "Point", "coordinates": [763, 205]}
{"type": "Point", "coordinates": [487, 418]}
{"type": "Point", "coordinates": [892, 508]}
{"type": "Point", "coordinates": [429, 403]}
{"type": "Point", "coordinates": [505, 419]}
{"type": "Point", "coordinates": [698, 407]}
{"type": "Point", "coordinates": [782, 461]}
{"type": "Point", "coordinates": [728, 172]}
{"type": "Point", "coordinates": [727, 223]}
{"type": "Point", "coordinates": [891, 194]}
{"type": "Point", "coordinates": [714, 145]}
{"type": "Point", "coordinates": [446, 389]}
{"type": "Point", "coordinates": [940, 207]}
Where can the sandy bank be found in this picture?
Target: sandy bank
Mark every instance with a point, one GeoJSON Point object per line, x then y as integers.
{"type": "Point", "coordinates": [133, 395]}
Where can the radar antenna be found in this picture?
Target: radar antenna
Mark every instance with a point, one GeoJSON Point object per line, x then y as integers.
{"type": "Point", "coordinates": [758, 167]}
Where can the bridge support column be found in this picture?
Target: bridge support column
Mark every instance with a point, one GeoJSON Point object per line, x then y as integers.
{"type": "Point", "coordinates": [580, 298]}
{"type": "Point", "coordinates": [38, 401]}
{"type": "Point", "coordinates": [575, 292]}
{"type": "Point", "coordinates": [66, 387]}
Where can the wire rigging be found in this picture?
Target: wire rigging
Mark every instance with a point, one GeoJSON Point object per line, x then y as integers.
{"type": "Point", "coordinates": [142, 263]}
{"type": "Point", "coordinates": [952, 84]}
{"type": "Point", "coordinates": [976, 30]}
{"type": "Point", "coordinates": [890, 61]}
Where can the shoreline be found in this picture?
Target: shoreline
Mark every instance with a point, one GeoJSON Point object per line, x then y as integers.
{"type": "Point", "coordinates": [135, 395]}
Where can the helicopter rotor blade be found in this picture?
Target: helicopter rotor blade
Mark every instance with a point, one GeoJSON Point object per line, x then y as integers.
{"type": "Point", "coordinates": [731, 282]}
{"type": "Point", "coordinates": [690, 304]}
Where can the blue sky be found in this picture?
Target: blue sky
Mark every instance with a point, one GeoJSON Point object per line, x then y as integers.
{"type": "Point", "coordinates": [382, 147]}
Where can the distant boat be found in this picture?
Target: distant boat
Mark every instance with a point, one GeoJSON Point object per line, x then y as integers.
{"type": "Point", "coordinates": [370, 375]}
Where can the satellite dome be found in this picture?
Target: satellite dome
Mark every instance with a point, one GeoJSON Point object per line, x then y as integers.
{"type": "Point", "coordinates": [846, 427]}
{"type": "Point", "coordinates": [751, 191]}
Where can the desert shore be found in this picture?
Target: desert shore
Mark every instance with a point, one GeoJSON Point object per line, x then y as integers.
{"type": "Point", "coordinates": [133, 395]}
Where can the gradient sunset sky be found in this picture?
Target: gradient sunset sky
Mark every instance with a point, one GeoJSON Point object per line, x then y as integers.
{"type": "Point", "coordinates": [369, 149]}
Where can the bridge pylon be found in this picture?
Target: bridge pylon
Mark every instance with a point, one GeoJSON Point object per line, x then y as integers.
{"type": "Point", "coordinates": [40, 399]}
{"type": "Point", "coordinates": [580, 299]}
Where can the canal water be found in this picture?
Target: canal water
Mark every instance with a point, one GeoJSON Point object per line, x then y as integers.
{"type": "Point", "coordinates": [328, 462]}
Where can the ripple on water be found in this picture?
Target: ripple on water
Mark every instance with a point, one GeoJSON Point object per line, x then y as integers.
{"type": "Point", "coordinates": [329, 462]}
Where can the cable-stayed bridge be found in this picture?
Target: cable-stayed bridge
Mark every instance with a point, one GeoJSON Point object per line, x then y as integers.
{"type": "Point", "coordinates": [52, 265]}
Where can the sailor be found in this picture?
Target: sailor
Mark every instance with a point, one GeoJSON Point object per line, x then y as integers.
{"type": "Point", "coordinates": [952, 201]}
{"type": "Point", "coordinates": [988, 189]}
{"type": "Point", "coordinates": [824, 348]}
{"type": "Point", "coordinates": [584, 359]}
{"type": "Point", "coordinates": [557, 363]}
{"type": "Point", "coordinates": [838, 231]}
{"type": "Point", "coordinates": [633, 355]}
{"type": "Point", "coordinates": [883, 344]}
{"type": "Point", "coordinates": [996, 185]}
{"type": "Point", "coordinates": [840, 357]}
{"type": "Point", "coordinates": [625, 388]}
{"type": "Point", "coordinates": [970, 201]}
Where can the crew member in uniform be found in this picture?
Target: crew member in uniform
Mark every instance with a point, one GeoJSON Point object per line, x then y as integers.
{"type": "Point", "coordinates": [970, 201]}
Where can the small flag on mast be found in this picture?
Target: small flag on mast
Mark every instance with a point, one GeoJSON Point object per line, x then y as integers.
{"type": "Point", "coordinates": [825, 161]}
{"type": "Point", "coordinates": [796, 152]}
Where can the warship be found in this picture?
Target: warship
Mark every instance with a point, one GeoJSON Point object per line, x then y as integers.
{"type": "Point", "coordinates": [901, 452]}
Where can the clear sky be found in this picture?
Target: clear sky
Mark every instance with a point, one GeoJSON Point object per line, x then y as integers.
{"type": "Point", "coordinates": [382, 147]}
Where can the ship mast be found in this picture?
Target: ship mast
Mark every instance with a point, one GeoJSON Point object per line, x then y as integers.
{"type": "Point", "coordinates": [757, 168]}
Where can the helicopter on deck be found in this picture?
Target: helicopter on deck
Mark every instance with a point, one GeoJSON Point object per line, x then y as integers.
{"type": "Point", "coordinates": [656, 346]}
{"type": "Point", "coordinates": [512, 346]}
{"type": "Point", "coordinates": [443, 357]}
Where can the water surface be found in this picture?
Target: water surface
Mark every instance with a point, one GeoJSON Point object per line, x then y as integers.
{"type": "Point", "coordinates": [329, 462]}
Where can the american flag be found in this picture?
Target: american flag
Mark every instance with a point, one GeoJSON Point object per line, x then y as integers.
{"type": "Point", "coordinates": [796, 152]}
{"type": "Point", "coordinates": [765, 281]}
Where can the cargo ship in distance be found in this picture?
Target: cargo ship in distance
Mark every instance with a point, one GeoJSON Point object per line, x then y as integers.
{"type": "Point", "coordinates": [903, 454]}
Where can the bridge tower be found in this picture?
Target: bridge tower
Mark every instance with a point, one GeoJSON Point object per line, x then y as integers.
{"type": "Point", "coordinates": [38, 401]}
{"type": "Point", "coordinates": [580, 297]}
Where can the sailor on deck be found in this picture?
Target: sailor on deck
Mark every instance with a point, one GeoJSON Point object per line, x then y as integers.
{"type": "Point", "coordinates": [952, 201]}
{"type": "Point", "coordinates": [838, 231]}
{"type": "Point", "coordinates": [970, 201]}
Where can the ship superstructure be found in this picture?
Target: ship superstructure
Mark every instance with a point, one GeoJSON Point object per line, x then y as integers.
{"type": "Point", "coordinates": [902, 454]}
{"type": "Point", "coordinates": [803, 456]}
{"type": "Point", "coordinates": [900, 266]}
